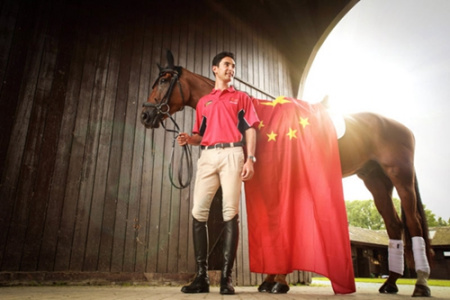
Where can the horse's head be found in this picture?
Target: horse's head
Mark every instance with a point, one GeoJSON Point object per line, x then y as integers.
{"type": "Point", "coordinates": [166, 97]}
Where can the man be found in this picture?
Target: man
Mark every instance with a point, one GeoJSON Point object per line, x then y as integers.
{"type": "Point", "coordinates": [223, 118]}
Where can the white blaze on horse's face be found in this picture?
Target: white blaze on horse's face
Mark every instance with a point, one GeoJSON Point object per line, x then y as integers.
{"type": "Point", "coordinates": [225, 71]}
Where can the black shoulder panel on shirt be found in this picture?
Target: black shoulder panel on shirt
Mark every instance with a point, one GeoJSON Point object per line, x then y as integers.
{"type": "Point", "coordinates": [242, 124]}
{"type": "Point", "coordinates": [202, 127]}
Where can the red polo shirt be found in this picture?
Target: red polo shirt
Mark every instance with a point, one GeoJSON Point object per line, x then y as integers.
{"type": "Point", "coordinates": [223, 116]}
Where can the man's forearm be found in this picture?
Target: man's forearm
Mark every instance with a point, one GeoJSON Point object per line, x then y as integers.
{"type": "Point", "coordinates": [250, 138]}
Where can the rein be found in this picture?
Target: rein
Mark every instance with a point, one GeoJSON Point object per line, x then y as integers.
{"type": "Point", "coordinates": [185, 155]}
{"type": "Point", "coordinates": [162, 109]}
{"type": "Point", "coordinates": [254, 87]}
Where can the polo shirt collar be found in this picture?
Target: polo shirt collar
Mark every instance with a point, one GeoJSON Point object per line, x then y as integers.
{"type": "Point", "coordinates": [230, 89]}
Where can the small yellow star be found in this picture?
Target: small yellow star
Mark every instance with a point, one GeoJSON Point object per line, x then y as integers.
{"type": "Point", "coordinates": [304, 122]}
{"type": "Point", "coordinates": [272, 136]}
{"type": "Point", "coordinates": [278, 100]}
{"type": "Point", "coordinates": [261, 125]}
{"type": "Point", "coordinates": [292, 133]}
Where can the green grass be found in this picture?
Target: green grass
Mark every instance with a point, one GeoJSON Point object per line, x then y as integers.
{"type": "Point", "coordinates": [407, 281]}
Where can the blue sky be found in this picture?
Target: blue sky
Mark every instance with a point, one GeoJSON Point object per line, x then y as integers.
{"type": "Point", "coordinates": [393, 57]}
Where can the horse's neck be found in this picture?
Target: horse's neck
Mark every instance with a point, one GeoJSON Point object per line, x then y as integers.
{"type": "Point", "coordinates": [199, 86]}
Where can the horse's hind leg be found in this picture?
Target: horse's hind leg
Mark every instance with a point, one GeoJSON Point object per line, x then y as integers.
{"type": "Point", "coordinates": [401, 175]}
{"type": "Point", "coordinates": [381, 188]}
{"type": "Point", "coordinates": [416, 234]}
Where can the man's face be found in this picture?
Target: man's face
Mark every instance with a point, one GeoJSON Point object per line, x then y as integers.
{"type": "Point", "coordinates": [225, 70]}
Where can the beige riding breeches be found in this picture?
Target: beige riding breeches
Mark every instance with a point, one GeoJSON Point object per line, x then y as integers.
{"type": "Point", "coordinates": [218, 167]}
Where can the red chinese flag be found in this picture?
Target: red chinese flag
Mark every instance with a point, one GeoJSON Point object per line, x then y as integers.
{"type": "Point", "coordinates": [295, 204]}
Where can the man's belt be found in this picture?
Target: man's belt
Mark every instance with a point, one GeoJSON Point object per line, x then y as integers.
{"type": "Point", "coordinates": [223, 145]}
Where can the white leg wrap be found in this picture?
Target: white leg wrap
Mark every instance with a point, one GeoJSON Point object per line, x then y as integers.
{"type": "Point", "coordinates": [420, 256]}
{"type": "Point", "coordinates": [395, 254]}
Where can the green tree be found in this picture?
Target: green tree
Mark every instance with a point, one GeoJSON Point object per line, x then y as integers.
{"type": "Point", "coordinates": [432, 221]}
{"type": "Point", "coordinates": [363, 213]}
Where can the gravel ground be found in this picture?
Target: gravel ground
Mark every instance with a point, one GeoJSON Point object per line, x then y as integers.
{"type": "Point", "coordinates": [321, 290]}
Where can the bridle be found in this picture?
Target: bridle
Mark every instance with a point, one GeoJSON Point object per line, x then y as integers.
{"type": "Point", "coordinates": [162, 109]}
{"type": "Point", "coordinates": [159, 106]}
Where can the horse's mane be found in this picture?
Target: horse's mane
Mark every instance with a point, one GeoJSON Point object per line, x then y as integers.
{"type": "Point", "coordinates": [203, 78]}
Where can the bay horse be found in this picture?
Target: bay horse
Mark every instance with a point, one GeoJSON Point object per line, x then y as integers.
{"type": "Point", "coordinates": [380, 151]}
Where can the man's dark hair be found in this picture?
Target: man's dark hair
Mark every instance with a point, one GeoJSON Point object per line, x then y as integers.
{"type": "Point", "coordinates": [220, 56]}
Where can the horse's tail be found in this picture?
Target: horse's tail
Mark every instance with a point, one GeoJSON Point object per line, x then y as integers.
{"type": "Point", "coordinates": [423, 224]}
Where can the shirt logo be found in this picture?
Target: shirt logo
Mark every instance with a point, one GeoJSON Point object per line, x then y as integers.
{"type": "Point", "coordinates": [234, 100]}
{"type": "Point", "coordinates": [208, 103]}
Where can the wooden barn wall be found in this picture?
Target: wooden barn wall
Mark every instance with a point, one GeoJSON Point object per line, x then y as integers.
{"type": "Point", "coordinates": [84, 187]}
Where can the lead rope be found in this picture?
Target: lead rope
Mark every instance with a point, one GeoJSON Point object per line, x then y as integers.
{"type": "Point", "coordinates": [186, 156]}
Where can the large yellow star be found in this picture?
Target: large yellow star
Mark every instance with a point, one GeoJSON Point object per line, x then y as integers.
{"type": "Point", "coordinates": [304, 122]}
{"type": "Point", "coordinates": [278, 100]}
{"type": "Point", "coordinates": [261, 125]}
{"type": "Point", "coordinates": [272, 136]}
{"type": "Point", "coordinates": [292, 133]}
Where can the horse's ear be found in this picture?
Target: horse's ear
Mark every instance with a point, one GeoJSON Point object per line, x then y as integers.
{"type": "Point", "coordinates": [159, 67]}
{"type": "Point", "coordinates": [325, 101]}
{"type": "Point", "coordinates": [170, 63]}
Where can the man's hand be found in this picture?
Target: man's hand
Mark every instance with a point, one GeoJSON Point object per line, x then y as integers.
{"type": "Point", "coordinates": [247, 170]}
{"type": "Point", "coordinates": [183, 139]}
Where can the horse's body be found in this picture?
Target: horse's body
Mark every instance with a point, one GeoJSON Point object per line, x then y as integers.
{"type": "Point", "coordinates": [378, 150]}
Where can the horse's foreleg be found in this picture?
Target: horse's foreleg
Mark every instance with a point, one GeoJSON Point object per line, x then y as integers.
{"type": "Point", "coordinates": [281, 278]}
{"type": "Point", "coordinates": [270, 278]}
{"type": "Point", "coordinates": [396, 267]}
{"type": "Point", "coordinates": [268, 283]}
{"type": "Point", "coordinates": [281, 286]}
{"type": "Point", "coordinates": [275, 284]}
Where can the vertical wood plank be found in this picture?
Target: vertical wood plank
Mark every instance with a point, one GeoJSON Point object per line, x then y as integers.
{"type": "Point", "coordinates": [186, 43]}
{"type": "Point", "coordinates": [94, 178]}
{"type": "Point", "coordinates": [178, 36]}
{"type": "Point", "coordinates": [77, 143]}
{"type": "Point", "coordinates": [154, 152]}
{"type": "Point", "coordinates": [142, 137]}
{"type": "Point", "coordinates": [103, 188]}
{"type": "Point", "coordinates": [132, 140]}
{"type": "Point", "coordinates": [165, 145]}
{"type": "Point", "coordinates": [119, 170]}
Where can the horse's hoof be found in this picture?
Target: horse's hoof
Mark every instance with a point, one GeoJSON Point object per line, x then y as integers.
{"type": "Point", "coordinates": [388, 288]}
{"type": "Point", "coordinates": [280, 288]}
{"type": "Point", "coordinates": [421, 291]}
{"type": "Point", "coordinates": [266, 287]}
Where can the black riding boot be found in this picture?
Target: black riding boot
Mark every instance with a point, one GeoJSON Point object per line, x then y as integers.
{"type": "Point", "coordinates": [230, 243]}
{"type": "Point", "coordinates": [201, 281]}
